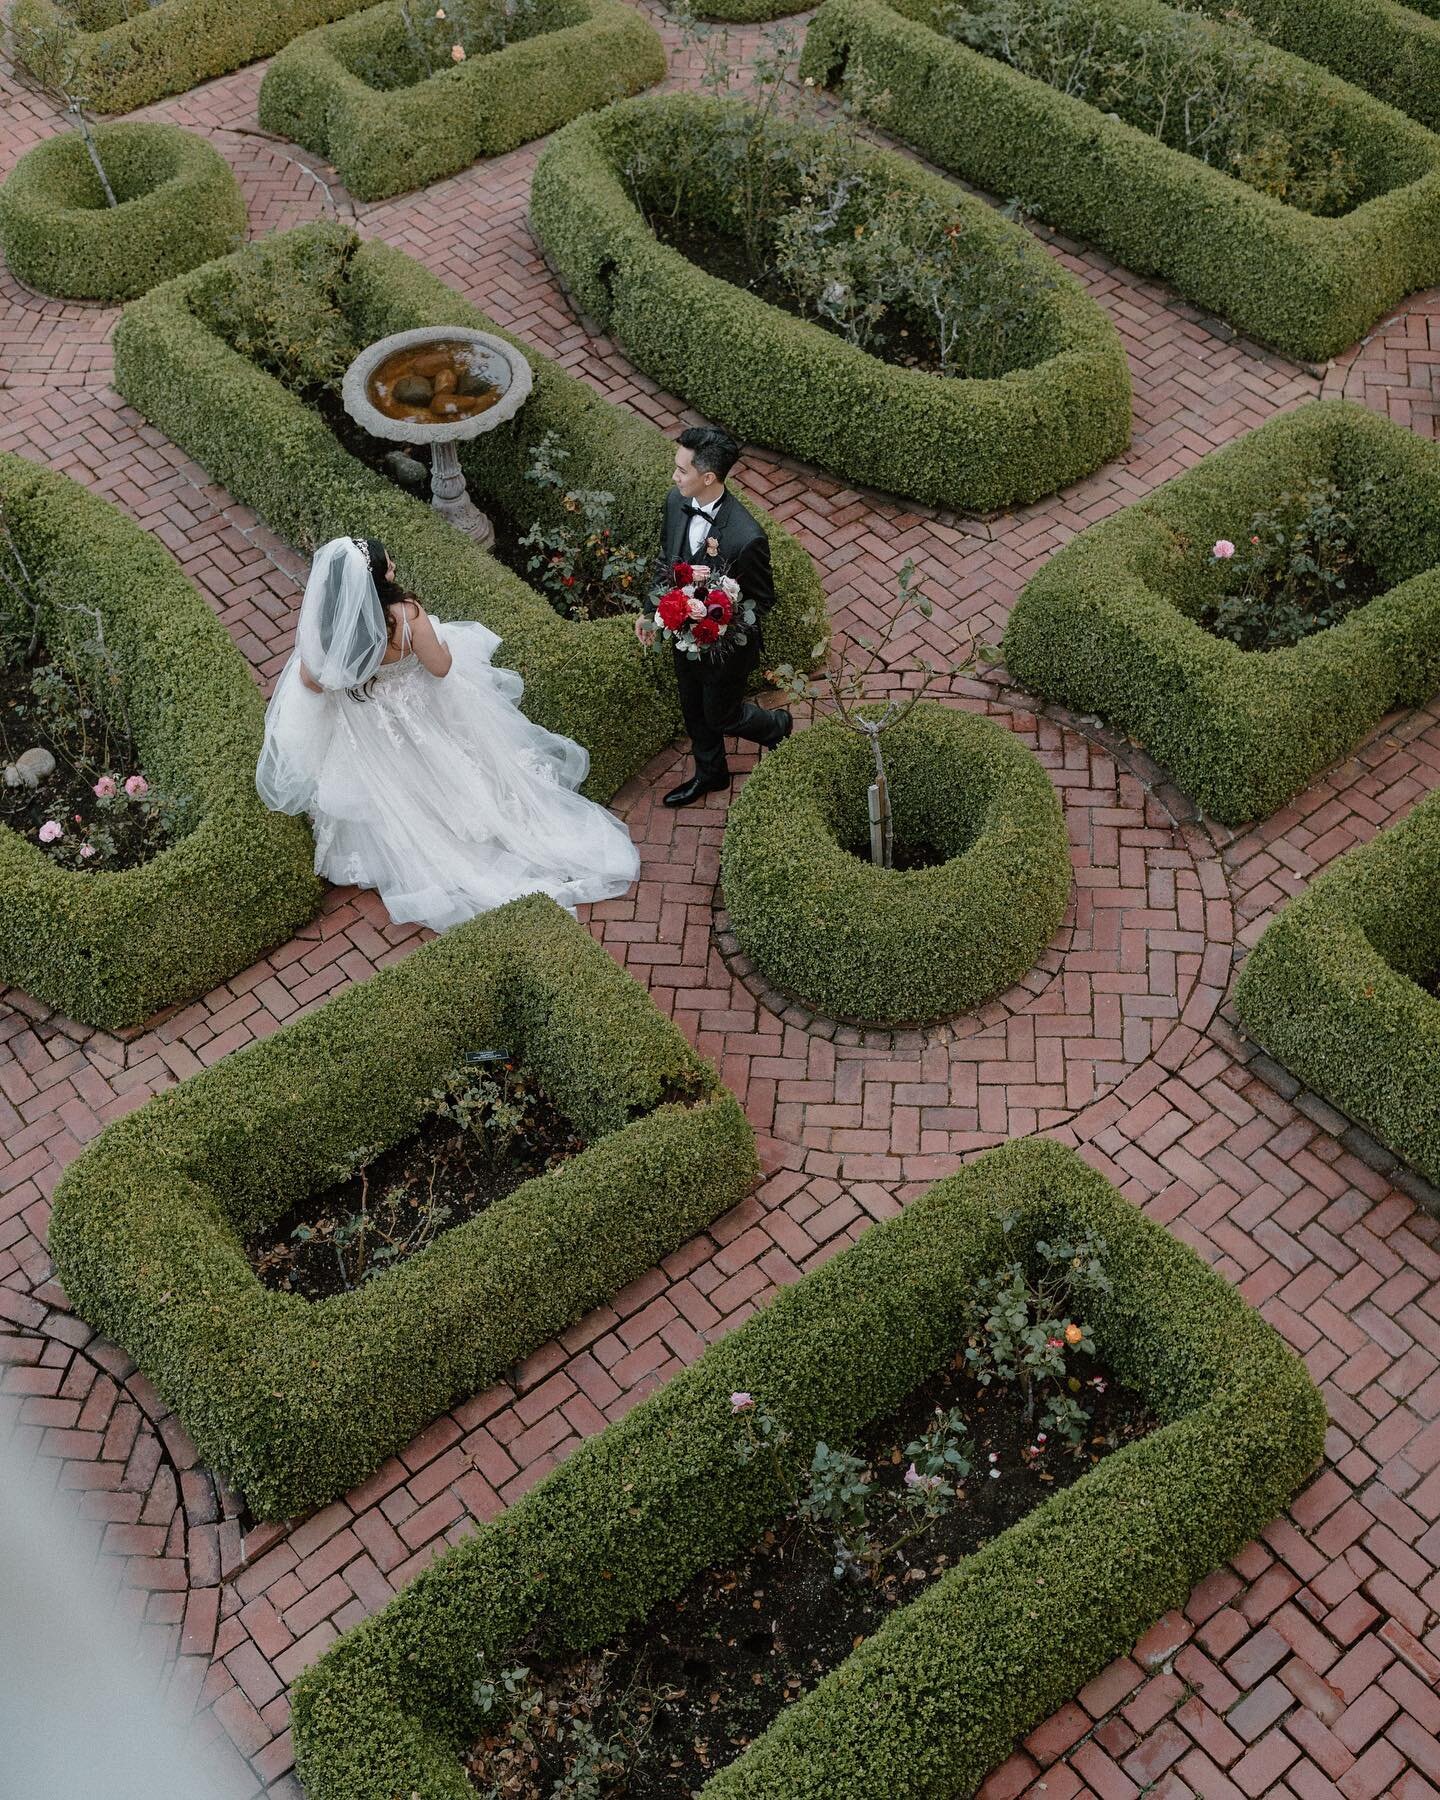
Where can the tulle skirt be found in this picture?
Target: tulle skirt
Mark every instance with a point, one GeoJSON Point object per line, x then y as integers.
{"type": "Point", "coordinates": [439, 793]}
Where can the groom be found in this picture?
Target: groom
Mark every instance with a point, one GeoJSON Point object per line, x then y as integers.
{"type": "Point", "coordinates": [703, 522]}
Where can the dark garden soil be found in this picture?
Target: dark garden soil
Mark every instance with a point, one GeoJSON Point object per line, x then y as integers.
{"type": "Point", "coordinates": [380, 456]}
{"type": "Point", "coordinates": [661, 1709]}
{"type": "Point", "coordinates": [123, 835]}
{"type": "Point", "coordinates": [396, 1204]}
{"type": "Point", "coordinates": [905, 343]}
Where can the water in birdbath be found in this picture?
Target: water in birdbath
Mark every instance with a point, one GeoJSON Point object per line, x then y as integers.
{"type": "Point", "coordinates": [432, 384]}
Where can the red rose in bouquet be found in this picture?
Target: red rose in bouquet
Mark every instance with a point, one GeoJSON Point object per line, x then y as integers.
{"type": "Point", "coordinates": [705, 613]}
{"type": "Point", "coordinates": [673, 609]}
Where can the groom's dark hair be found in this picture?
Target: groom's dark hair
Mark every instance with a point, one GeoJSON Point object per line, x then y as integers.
{"type": "Point", "coordinates": [712, 448]}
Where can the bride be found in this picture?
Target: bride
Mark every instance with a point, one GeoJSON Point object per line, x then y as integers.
{"type": "Point", "coordinates": [421, 775]}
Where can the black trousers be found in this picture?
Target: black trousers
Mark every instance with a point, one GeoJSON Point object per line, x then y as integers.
{"type": "Point", "coordinates": [712, 698]}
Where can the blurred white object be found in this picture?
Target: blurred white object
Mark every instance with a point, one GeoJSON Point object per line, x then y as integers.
{"type": "Point", "coordinates": [82, 1714]}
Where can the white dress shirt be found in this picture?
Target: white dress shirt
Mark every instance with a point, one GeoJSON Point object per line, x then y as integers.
{"type": "Point", "coordinates": [701, 525]}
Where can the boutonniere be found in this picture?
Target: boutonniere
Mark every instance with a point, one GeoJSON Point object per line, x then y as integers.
{"type": "Point", "coordinates": [712, 546]}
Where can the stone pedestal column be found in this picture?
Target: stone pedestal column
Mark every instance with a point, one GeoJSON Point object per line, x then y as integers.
{"type": "Point", "coordinates": [449, 497]}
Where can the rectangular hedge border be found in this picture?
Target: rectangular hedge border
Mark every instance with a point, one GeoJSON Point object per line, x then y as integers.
{"type": "Point", "coordinates": [1332, 988]}
{"type": "Point", "coordinates": [938, 1696]}
{"type": "Point", "coordinates": [1390, 50]}
{"type": "Point", "coordinates": [121, 63]}
{"type": "Point", "coordinates": [113, 947]}
{"type": "Point", "coordinates": [297, 1401]}
{"type": "Point", "coordinates": [1103, 627]}
{"type": "Point", "coordinates": [1305, 285]}
{"type": "Point", "coordinates": [589, 53]}
{"type": "Point", "coordinates": [972, 445]}
{"type": "Point", "coordinates": [590, 682]}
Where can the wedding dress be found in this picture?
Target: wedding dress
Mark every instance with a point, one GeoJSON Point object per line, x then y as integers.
{"type": "Point", "coordinates": [436, 791]}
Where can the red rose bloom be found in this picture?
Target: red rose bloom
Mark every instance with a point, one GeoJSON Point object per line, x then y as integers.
{"type": "Point", "coordinates": [684, 572]}
{"type": "Point", "coordinates": [705, 631]}
{"type": "Point", "coordinates": [719, 607]}
{"type": "Point", "coordinates": [673, 609]}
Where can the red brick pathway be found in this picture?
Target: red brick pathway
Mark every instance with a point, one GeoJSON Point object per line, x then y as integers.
{"type": "Point", "coordinates": [1308, 1668]}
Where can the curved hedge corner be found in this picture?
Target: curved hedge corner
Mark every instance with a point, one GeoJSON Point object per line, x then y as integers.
{"type": "Point", "coordinates": [969, 444]}
{"type": "Point", "coordinates": [180, 205]}
{"type": "Point", "coordinates": [123, 56]}
{"type": "Point", "coordinates": [940, 1693]}
{"type": "Point", "coordinates": [273, 452]}
{"type": "Point", "coordinates": [886, 946]}
{"type": "Point", "coordinates": [1389, 49]}
{"type": "Point", "coordinates": [1104, 627]}
{"type": "Point", "coordinates": [586, 53]}
{"type": "Point", "coordinates": [113, 947]}
{"type": "Point", "coordinates": [1308, 286]}
{"type": "Point", "coordinates": [1332, 990]}
{"type": "Point", "coordinates": [297, 1401]}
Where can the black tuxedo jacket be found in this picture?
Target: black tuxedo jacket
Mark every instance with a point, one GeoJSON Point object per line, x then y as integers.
{"type": "Point", "coordinates": [744, 552]}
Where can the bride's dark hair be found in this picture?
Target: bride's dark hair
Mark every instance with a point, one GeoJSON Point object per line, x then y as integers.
{"type": "Point", "coordinates": [391, 594]}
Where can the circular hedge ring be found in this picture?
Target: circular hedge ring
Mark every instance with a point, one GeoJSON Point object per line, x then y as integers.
{"type": "Point", "coordinates": [897, 946]}
{"type": "Point", "coordinates": [179, 206]}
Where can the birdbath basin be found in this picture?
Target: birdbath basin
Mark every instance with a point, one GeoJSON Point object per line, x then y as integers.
{"type": "Point", "coordinates": [439, 385]}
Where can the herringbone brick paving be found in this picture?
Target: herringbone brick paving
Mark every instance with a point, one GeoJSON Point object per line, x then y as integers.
{"type": "Point", "coordinates": [1310, 1666]}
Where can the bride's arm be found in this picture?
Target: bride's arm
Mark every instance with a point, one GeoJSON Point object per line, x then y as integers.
{"type": "Point", "coordinates": [309, 681]}
{"type": "Point", "coordinates": [425, 642]}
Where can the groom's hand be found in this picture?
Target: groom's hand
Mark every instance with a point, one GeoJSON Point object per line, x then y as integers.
{"type": "Point", "coordinates": [644, 634]}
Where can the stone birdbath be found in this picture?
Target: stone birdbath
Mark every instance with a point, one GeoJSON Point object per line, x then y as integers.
{"type": "Point", "coordinates": [439, 385]}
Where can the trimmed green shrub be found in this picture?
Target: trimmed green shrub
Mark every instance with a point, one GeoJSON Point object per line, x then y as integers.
{"type": "Point", "coordinates": [897, 946]}
{"type": "Point", "coordinates": [784, 381]}
{"type": "Point", "coordinates": [384, 140]}
{"type": "Point", "coordinates": [180, 205]}
{"type": "Point", "coordinates": [938, 1695]}
{"type": "Point", "coordinates": [113, 947]}
{"type": "Point", "coordinates": [126, 53]}
{"type": "Point", "coordinates": [1108, 626]}
{"type": "Point", "coordinates": [1332, 990]}
{"type": "Point", "coordinates": [1391, 50]}
{"type": "Point", "coordinates": [274, 452]}
{"type": "Point", "coordinates": [296, 1401]}
{"type": "Point", "coordinates": [1307, 285]}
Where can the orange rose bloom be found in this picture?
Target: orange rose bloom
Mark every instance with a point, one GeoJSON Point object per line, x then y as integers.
{"type": "Point", "coordinates": [1073, 1334]}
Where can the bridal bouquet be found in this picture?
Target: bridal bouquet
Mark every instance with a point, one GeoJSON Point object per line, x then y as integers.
{"type": "Point", "coordinates": [704, 613]}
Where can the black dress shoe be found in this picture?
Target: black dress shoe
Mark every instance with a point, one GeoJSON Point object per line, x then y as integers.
{"type": "Point", "coordinates": [695, 789]}
{"type": "Point", "coordinates": [785, 729]}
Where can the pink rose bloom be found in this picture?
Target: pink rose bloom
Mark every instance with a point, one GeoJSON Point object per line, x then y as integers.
{"type": "Point", "coordinates": [49, 831]}
{"type": "Point", "coordinates": [457, 53]}
{"type": "Point", "coordinates": [136, 786]}
{"type": "Point", "coordinates": [699, 571]}
{"type": "Point", "coordinates": [741, 1402]}
{"type": "Point", "coordinates": [696, 608]}
{"type": "Point", "coordinates": [87, 850]}
{"type": "Point", "coordinates": [1223, 550]}
{"type": "Point", "coordinates": [105, 787]}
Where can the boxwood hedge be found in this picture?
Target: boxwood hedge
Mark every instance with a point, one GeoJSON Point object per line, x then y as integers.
{"type": "Point", "coordinates": [296, 1401]}
{"type": "Point", "coordinates": [111, 948]}
{"type": "Point", "coordinates": [887, 946]}
{"type": "Point", "coordinates": [1332, 990]}
{"type": "Point", "coordinates": [275, 453]}
{"type": "Point", "coordinates": [123, 55]}
{"type": "Point", "coordinates": [180, 205]}
{"type": "Point", "coordinates": [1108, 626]}
{"type": "Point", "coordinates": [783, 381]}
{"type": "Point", "coordinates": [1307, 285]}
{"type": "Point", "coordinates": [584, 53]}
{"type": "Point", "coordinates": [938, 1695]}
{"type": "Point", "coordinates": [1391, 50]}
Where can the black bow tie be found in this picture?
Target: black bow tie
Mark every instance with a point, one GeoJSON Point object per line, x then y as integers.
{"type": "Point", "coordinates": [702, 512]}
